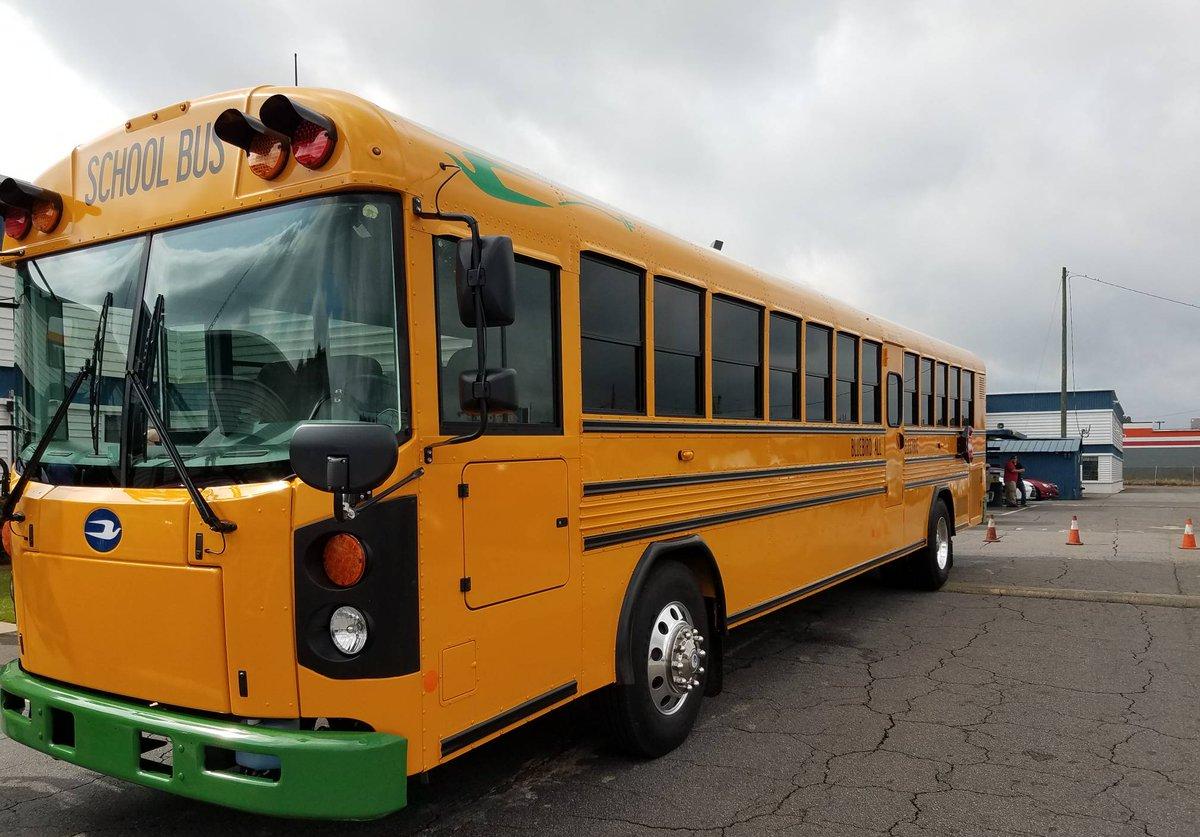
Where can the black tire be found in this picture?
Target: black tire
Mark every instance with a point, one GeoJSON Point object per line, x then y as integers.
{"type": "Point", "coordinates": [1036, 494]}
{"type": "Point", "coordinates": [639, 727]}
{"type": "Point", "coordinates": [925, 570]}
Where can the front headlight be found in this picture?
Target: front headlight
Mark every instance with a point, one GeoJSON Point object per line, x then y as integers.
{"type": "Point", "coordinates": [348, 630]}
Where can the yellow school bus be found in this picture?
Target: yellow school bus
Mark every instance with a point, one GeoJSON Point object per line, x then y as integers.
{"type": "Point", "coordinates": [345, 448]}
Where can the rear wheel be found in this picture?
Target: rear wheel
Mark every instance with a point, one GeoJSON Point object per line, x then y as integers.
{"type": "Point", "coordinates": [929, 568]}
{"type": "Point", "coordinates": [654, 714]}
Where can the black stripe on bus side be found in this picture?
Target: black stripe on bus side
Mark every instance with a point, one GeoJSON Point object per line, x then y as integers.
{"type": "Point", "coordinates": [470, 735]}
{"type": "Point", "coordinates": [607, 426]}
{"type": "Point", "coordinates": [808, 589]}
{"type": "Point", "coordinates": [935, 431]}
{"type": "Point", "coordinates": [644, 532]}
{"type": "Point", "coordinates": [941, 457]}
{"type": "Point", "coordinates": [619, 486]}
{"type": "Point", "coordinates": [936, 480]}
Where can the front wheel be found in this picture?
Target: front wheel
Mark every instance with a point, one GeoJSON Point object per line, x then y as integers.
{"type": "Point", "coordinates": [929, 568]}
{"type": "Point", "coordinates": [654, 714]}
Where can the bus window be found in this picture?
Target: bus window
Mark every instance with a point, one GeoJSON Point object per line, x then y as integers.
{"type": "Point", "coordinates": [818, 403]}
{"type": "Point", "coordinates": [785, 368]}
{"type": "Point", "coordinates": [896, 396]}
{"type": "Point", "coordinates": [968, 398]}
{"type": "Point", "coordinates": [939, 390]}
{"type": "Point", "coordinates": [953, 415]}
{"type": "Point", "coordinates": [529, 345]}
{"type": "Point", "coordinates": [610, 320]}
{"type": "Point", "coordinates": [678, 349]}
{"type": "Point", "coordinates": [912, 399]}
{"type": "Point", "coordinates": [926, 391]}
{"type": "Point", "coordinates": [737, 359]}
{"type": "Point", "coordinates": [847, 378]}
{"type": "Point", "coordinates": [871, 354]}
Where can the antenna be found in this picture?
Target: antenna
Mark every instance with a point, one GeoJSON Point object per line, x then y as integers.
{"type": "Point", "coordinates": [296, 69]}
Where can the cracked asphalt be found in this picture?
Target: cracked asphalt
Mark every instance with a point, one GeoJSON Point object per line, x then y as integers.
{"type": "Point", "coordinates": [863, 711]}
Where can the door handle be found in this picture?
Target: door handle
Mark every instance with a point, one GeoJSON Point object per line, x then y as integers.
{"type": "Point", "coordinates": [900, 441]}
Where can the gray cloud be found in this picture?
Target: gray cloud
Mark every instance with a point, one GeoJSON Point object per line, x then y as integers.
{"type": "Point", "coordinates": [935, 162]}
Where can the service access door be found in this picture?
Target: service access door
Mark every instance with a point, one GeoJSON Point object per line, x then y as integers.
{"type": "Point", "coordinates": [515, 536]}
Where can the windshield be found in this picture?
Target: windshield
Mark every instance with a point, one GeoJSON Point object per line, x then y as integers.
{"type": "Point", "coordinates": [265, 320]}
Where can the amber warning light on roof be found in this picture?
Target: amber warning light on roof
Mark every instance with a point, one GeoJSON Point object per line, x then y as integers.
{"type": "Point", "coordinates": [284, 128]}
{"type": "Point", "coordinates": [25, 206]}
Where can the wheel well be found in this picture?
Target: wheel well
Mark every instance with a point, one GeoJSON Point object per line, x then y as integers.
{"type": "Point", "coordinates": [693, 553]}
{"type": "Point", "coordinates": [947, 497]}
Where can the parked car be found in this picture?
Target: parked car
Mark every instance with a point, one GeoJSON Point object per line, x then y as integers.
{"type": "Point", "coordinates": [1040, 489]}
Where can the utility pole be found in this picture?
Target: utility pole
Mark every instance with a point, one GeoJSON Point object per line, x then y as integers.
{"type": "Point", "coordinates": [1062, 400]}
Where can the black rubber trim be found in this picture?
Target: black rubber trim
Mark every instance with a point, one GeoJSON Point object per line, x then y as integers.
{"type": "Point", "coordinates": [934, 431]}
{"type": "Point", "coordinates": [644, 532]}
{"type": "Point", "coordinates": [605, 426]}
{"type": "Point", "coordinates": [801, 592]}
{"type": "Point", "coordinates": [935, 480]}
{"type": "Point", "coordinates": [941, 457]}
{"type": "Point", "coordinates": [507, 718]}
{"type": "Point", "coordinates": [620, 486]}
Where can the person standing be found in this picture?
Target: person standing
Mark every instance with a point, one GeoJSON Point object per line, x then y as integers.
{"type": "Point", "coordinates": [1020, 478]}
{"type": "Point", "coordinates": [1010, 482]}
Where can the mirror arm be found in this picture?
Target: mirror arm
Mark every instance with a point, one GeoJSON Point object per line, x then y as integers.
{"type": "Point", "coordinates": [480, 325]}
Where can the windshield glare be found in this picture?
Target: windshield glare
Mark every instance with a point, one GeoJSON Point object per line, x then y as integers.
{"type": "Point", "coordinates": [269, 319]}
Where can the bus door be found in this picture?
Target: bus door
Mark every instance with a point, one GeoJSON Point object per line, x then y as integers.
{"type": "Point", "coordinates": [510, 645]}
{"type": "Point", "coordinates": [894, 441]}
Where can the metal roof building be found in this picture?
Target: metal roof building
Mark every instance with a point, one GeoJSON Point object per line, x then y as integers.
{"type": "Point", "coordinates": [1051, 460]}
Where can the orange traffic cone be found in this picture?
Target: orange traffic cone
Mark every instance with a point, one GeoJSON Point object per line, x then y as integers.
{"type": "Point", "coordinates": [1073, 534]}
{"type": "Point", "coordinates": [1189, 537]}
{"type": "Point", "coordinates": [991, 536]}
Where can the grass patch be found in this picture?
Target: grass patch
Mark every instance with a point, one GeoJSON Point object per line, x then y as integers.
{"type": "Point", "coordinates": [7, 612]}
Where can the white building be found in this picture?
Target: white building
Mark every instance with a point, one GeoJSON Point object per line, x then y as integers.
{"type": "Point", "coordinates": [1095, 416]}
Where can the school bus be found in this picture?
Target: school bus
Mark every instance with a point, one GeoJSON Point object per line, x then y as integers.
{"type": "Point", "coordinates": [345, 448]}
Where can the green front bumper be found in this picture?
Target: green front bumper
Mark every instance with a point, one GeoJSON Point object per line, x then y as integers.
{"type": "Point", "coordinates": [326, 775]}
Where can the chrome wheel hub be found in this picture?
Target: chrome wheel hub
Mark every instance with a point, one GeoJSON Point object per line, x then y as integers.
{"type": "Point", "coordinates": [942, 543]}
{"type": "Point", "coordinates": [675, 659]}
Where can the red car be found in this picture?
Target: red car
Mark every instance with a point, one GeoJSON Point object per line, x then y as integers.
{"type": "Point", "coordinates": [1040, 490]}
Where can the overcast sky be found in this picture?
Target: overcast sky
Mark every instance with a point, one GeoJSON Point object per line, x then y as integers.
{"type": "Point", "coordinates": [937, 163]}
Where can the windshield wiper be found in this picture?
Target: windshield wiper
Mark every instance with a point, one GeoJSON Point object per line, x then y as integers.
{"type": "Point", "coordinates": [98, 378]}
{"type": "Point", "coordinates": [138, 377]}
{"type": "Point", "coordinates": [90, 369]}
{"type": "Point", "coordinates": [206, 511]}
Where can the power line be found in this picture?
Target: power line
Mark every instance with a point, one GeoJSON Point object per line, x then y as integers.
{"type": "Point", "coordinates": [1135, 290]}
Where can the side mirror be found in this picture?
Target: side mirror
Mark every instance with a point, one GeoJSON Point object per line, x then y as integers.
{"type": "Point", "coordinates": [496, 280]}
{"type": "Point", "coordinates": [343, 457]}
{"type": "Point", "coordinates": [499, 388]}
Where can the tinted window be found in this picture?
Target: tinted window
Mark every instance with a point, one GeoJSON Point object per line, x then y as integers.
{"type": "Point", "coordinates": [926, 391]}
{"type": "Point", "coordinates": [529, 345]}
{"type": "Point", "coordinates": [1091, 468]}
{"type": "Point", "coordinates": [847, 378]}
{"type": "Point", "coordinates": [818, 395]}
{"type": "Point", "coordinates": [678, 349]}
{"type": "Point", "coordinates": [785, 368]}
{"type": "Point", "coordinates": [871, 358]}
{"type": "Point", "coordinates": [939, 390]}
{"type": "Point", "coordinates": [610, 319]}
{"type": "Point", "coordinates": [968, 398]}
{"type": "Point", "coordinates": [895, 397]}
{"type": "Point", "coordinates": [952, 389]}
{"type": "Point", "coordinates": [737, 364]}
{"type": "Point", "coordinates": [911, 396]}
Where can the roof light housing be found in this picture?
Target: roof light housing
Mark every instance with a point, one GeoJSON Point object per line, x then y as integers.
{"type": "Point", "coordinates": [266, 149]}
{"type": "Point", "coordinates": [26, 206]}
{"type": "Point", "coordinates": [313, 135]}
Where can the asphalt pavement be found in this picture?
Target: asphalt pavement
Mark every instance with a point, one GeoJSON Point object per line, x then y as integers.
{"type": "Point", "coordinates": [863, 711]}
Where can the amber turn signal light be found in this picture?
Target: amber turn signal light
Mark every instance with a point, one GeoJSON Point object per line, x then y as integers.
{"type": "Point", "coordinates": [25, 205]}
{"type": "Point", "coordinates": [266, 149]}
{"type": "Point", "coordinates": [344, 559]}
